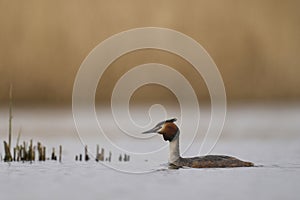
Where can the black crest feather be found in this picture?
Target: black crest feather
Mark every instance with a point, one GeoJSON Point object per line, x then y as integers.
{"type": "Point", "coordinates": [166, 121]}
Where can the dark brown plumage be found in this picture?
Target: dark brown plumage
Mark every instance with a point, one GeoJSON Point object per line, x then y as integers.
{"type": "Point", "coordinates": [211, 161]}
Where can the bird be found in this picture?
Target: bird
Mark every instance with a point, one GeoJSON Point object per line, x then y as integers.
{"type": "Point", "coordinates": [170, 132]}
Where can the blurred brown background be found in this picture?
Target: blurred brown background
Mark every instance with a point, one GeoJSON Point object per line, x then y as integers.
{"type": "Point", "coordinates": [255, 44]}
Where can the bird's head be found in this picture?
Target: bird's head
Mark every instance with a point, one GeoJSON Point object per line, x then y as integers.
{"type": "Point", "coordinates": [167, 129]}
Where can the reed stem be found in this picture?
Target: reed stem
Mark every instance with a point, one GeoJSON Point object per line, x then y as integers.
{"type": "Point", "coordinates": [10, 118]}
{"type": "Point", "coordinates": [60, 153]}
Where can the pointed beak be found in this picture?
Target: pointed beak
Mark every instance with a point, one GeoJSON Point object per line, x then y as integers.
{"type": "Point", "coordinates": [153, 130]}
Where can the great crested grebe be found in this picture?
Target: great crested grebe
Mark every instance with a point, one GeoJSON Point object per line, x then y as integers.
{"type": "Point", "coordinates": [170, 132]}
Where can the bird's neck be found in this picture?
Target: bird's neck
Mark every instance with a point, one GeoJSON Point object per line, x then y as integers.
{"type": "Point", "coordinates": [174, 149]}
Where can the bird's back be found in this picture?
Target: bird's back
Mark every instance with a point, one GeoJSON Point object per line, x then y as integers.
{"type": "Point", "coordinates": [211, 161]}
